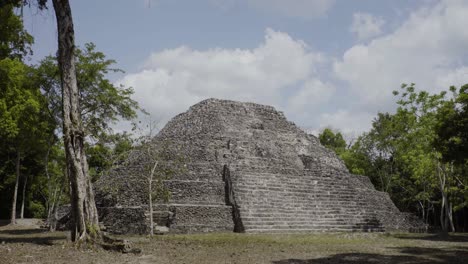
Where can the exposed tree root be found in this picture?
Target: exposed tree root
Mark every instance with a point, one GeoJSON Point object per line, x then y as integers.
{"type": "Point", "coordinates": [106, 242]}
{"type": "Point", "coordinates": [119, 245]}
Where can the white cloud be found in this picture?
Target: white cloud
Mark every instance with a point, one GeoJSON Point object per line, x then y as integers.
{"type": "Point", "coordinates": [313, 93]}
{"type": "Point", "coordinates": [429, 49]}
{"type": "Point", "coordinates": [350, 123]}
{"type": "Point", "coordinates": [457, 77]}
{"type": "Point", "coordinates": [294, 8]}
{"type": "Point", "coordinates": [426, 49]}
{"type": "Point", "coordinates": [366, 26]}
{"type": "Point", "coordinates": [174, 79]}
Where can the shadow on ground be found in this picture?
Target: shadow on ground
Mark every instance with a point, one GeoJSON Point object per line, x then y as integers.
{"type": "Point", "coordinates": [32, 236]}
{"type": "Point", "coordinates": [22, 231]}
{"type": "Point", "coordinates": [443, 237]}
{"type": "Point", "coordinates": [4, 222]}
{"type": "Point", "coordinates": [406, 255]}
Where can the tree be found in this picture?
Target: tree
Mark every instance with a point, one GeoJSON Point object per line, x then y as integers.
{"type": "Point", "coordinates": [357, 157]}
{"type": "Point", "coordinates": [108, 151]}
{"type": "Point", "coordinates": [101, 102]}
{"type": "Point", "coordinates": [452, 129]}
{"type": "Point", "coordinates": [22, 124]}
{"type": "Point", "coordinates": [419, 111]}
{"type": "Point", "coordinates": [162, 164]}
{"type": "Point", "coordinates": [85, 223]}
{"type": "Point", "coordinates": [15, 42]}
{"type": "Point", "coordinates": [85, 226]}
{"type": "Point", "coordinates": [333, 141]}
{"type": "Point", "coordinates": [354, 156]}
{"type": "Point", "coordinates": [101, 108]}
{"type": "Point", "coordinates": [417, 154]}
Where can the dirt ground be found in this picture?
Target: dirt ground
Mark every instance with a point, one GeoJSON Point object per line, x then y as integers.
{"type": "Point", "coordinates": [27, 243]}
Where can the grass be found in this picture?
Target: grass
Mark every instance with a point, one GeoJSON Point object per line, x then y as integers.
{"type": "Point", "coordinates": [32, 245]}
{"type": "Point", "coordinates": [286, 239]}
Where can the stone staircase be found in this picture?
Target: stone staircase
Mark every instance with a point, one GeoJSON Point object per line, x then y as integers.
{"type": "Point", "coordinates": [197, 202]}
{"type": "Point", "coordinates": [193, 218]}
{"type": "Point", "coordinates": [307, 202]}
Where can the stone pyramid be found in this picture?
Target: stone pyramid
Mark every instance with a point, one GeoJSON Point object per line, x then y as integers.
{"type": "Point", "coordinates": [248, 169]}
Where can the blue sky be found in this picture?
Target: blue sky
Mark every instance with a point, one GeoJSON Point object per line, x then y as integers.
{"type": "Point", "coordinates": [325, 63]}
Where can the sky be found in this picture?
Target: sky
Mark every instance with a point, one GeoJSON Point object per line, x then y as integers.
{"type": "Point", "coordinates": [324, 63]}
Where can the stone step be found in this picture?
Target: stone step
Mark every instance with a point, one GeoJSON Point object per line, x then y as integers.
{"type": "Point", "coordinates": [310, 222]}
{"type": "Point", "coordinates": [295, 187]}
{"type": "Point", "coordinates": [305, 218]}
{"type": "Point", "coordinates": [279, 186]}
{"type": "Point", "coordinates": [185, 215]}
{"type": "Point", "coordinates": [314, 210]}
{"type": "Point", "coordinates": [322, 225]}
{"type": "Point", "coordinates": [197, 192]}
{"type": "Point", "coordinates": [317, 205]}
{"type": "Point", "coordinates": [291, 185]}
{"type": "Point", "coordinates": [306, 200]}
{"type": "Point", "coordinates": [300, 217]}
{"type": "Point", "coordinates": [200, 228]}
{"type": "Point", "coordinates": [297, 208]}
{"type": "Point", "coordinates": [310, 230]}
{"type": "Point", "coordinates": [304, 214]}
{"type": "Point", "coordinates": [317, 226]}
{"type": "Point", "coordinates": [170, 206]}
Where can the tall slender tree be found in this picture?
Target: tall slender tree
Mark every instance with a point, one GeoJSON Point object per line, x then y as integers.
{"type": "Point", "coordinates": [84, 212]}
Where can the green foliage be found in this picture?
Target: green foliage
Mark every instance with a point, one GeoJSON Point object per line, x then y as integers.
{"type": "Point", "coordinates": [356, 158]}
{"type": "Point", "coordinates": [31, 114]}
{"type": "Point", "coordinates": [24, 126]}
{"type": "Point", "coordinates": [333, 141]}
{"type": "Point", "coordinates": [452, 128]}
{"type": "Point", "coordinates": [37, 209]}
{"type": "Point", "coordinates": [417, 154]}
{"type": "Point", "coordinates": [111, 150]}
{"type": "Point", "coordinates": [15, 42]}
{"type": "Point", "coordinates": [101, 102]}
{"type": "Point", "coordinates": [19, 103]}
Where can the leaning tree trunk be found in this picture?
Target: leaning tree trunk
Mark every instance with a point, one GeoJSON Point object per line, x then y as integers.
{"type": "Point", "coordinates": [23, 196]}
{"type": "Point", "coordinates": [15, 193]}
{"type": "Point", "coordinates": [84, 213]}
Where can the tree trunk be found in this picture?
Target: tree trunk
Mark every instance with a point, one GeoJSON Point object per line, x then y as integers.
{"type": "Point", "coordinates": [150, 197]}
{"type": "Point", "coordinates": [423, 212]}
{"type": "Point", "coordinates": [443, 222]}
{"type": "Point", "coordinates": [15, 193]}
{"type": "Point", "coordinates": [85, 224]}
{"type": "Point", "coordinates": [23, 196]}
{"type": "Point", "coordinates": [54, 216]}
{"type": "Point", "coordinates": [449, 209]}
{"type": "Point", "coordinates": [49, 183]}
{"type": "Point", "coordinates": [446, 217]}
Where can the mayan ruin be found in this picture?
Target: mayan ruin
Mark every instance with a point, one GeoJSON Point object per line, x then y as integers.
{"type": "Point", "coordinates": [249, 170]}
